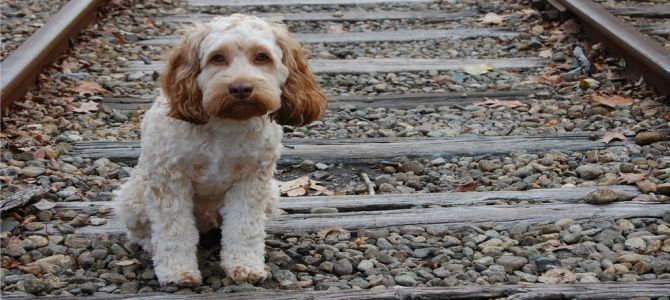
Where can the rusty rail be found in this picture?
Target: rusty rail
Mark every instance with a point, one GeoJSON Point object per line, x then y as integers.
{"type": "Point", "coordinates": [21, 67]}
{"type": "Point", "coordinates": [643, 55]}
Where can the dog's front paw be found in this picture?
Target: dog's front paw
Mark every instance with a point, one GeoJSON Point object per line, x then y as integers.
{"type": "Point", "coordinates": [181, 279]}
{"type": "Point", "coordinates": [246, 274]}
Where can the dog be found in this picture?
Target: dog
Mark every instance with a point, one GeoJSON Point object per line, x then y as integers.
{"type": "Point", "coordinates": [210, 143]}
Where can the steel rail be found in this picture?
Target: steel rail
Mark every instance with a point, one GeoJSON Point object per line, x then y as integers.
{"type": "Point", "coordinates": [643, 56]}
{"type": "Point", "coordinates": [20, 69]}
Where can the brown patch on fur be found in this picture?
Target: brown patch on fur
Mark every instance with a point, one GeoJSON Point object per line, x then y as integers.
{"type": "Point", "coordinates": [179, 79]}
{"type": "Point", "coordinates": [241, 275]}
{"type": "Point", "coordinates": [302, 99]}
{"type": "Point", "coordinates": [156, 191]}
{"type": "Point", "coordinates": [223, 105]}
{"type": "Point", "coordinates": [188, 279]}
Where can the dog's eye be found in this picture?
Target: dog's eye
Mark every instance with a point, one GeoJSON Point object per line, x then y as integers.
{"type": "Point", "coordinates": [262, 57]}
{"type": "Point", "coordinates": [219, 58]}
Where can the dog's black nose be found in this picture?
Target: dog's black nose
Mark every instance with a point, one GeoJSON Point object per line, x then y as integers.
{"type": "Point", "coordinates": [241, 90]}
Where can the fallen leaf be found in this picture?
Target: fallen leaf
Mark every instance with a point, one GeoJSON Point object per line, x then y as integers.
{"type": "Point", "coordinates": [477, 69]}
{"type": "Point", "coordinates": [360, 240]}
{"type": "Point", "coordinates": [557, 275]}
{"type": "Point", "coordinates": [321, 190]}
{"type": "Point", "coordinates": [611, 101]}
{"type": "Point", "coordinates": [570, 26]}
{"type": "Point", "coordinates": [469, 186]}
{"type": "Point", "coordinates": [326, 231]}
{"type": "Point", "coordinates": [553, 122]}
{"type": "Point", "coordinates": [498, 103]}
{"type": "Point", "coordinates": [588, 83]}
{"type": "Point", "coordinates": [301, 186]}
{"type": "Point", "coordinates": [8, 263]}
{"type": "Point", "coordinates": [630, 178]}
{"type": "Point", "coordinates": [87, 107]}
{"type": "Point", "coordinates": [88, 86]}
{"type": "Point", "coordinates": [537, 30]}
{"type": "Point", "coordinates": [493, 18]}
{"type": "Point", "coordinates": [547, 53]}
{"type": "Point", "coordinates": [612, 135]}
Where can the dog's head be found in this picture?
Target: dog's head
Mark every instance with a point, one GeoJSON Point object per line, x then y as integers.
{"type": "Point", "coordinates": [240, 67]}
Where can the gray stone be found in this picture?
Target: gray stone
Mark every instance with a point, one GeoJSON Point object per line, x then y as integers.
{"type": "Point", "coordinates": [590, 171]}
{"type": "Point", "coordinates": [343, 267]}
{"type": "Point", "coordinates": [511, 263]}
{"type": "Point", "coordinates": [405, 280]}
{"type": "Point", "coordinates": [365, 265]}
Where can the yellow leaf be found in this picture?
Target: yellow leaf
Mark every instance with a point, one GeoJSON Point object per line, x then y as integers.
{"type": "Point", "coordinates": [477, 69]}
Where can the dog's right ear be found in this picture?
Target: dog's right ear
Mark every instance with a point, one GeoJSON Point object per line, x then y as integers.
{"type": "Point", "coordinates": [179, 80]}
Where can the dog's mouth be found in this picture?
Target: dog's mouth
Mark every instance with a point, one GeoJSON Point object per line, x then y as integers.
{"type": "Point", "coordinates": [260, 102]}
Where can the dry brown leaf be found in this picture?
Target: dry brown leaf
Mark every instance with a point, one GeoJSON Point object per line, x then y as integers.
{"type": "Point", "coordinates": [8, 263]}
{"type": "Point", "coordinates": [296, 187]}
{"type": "Point", "coordinates": [553, 245]}
{"type": "Point", "coordinates": [469, 186]}
{"type": "Point", "coordinates": [553, 122]}
{"type": "Point", "coordinates": [612, 135]}
{"type": "Point", "coordinates": [326, 231]}
{"type": "Point", "coordinates": [301, 187]}
{"type": "Point", "coordinates": [611, 101]}
{"type": "Point", "coordinates": [90, 87]}
{"type": "Point", "coordinates": [360, 240]}
{"type": "Point", "coordinates": [630, 178]}
{"type": "Point", "coordinates": [570, 26]}
{"type": "Point", "coordinates": [493, 18]}
{"type": "Point", "coordinates": [320, 190]}
{"type": "Point", "coordinates": [497, 103]}
{"type": "Point", "coordinates": [87, 107]}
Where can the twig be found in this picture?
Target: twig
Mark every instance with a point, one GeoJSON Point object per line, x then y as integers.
{"type": "Point", "coordinates": [371, 187]}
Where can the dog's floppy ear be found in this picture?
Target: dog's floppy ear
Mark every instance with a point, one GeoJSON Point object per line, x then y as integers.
{"type": "Point", "coordinates": [302, 99]}
{"type": "Point", "coordinates": [179, 78]}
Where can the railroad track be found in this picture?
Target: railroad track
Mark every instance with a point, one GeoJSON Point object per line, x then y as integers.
{"type": "Point", "coordinates": [465, 144]}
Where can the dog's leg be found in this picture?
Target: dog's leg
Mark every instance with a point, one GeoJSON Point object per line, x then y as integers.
{"type": "Point", "coordinates": [245, 212]}
{"type": "Point", "coordinates": [174, 236]}
{"type": "Point", "coordinates": [129, 206]}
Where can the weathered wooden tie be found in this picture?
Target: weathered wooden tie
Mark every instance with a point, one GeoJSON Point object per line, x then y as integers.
{"type": "Point", "coordinates": [385, 101]}
{"type": "Point", "coordinates": [297, 2]}
{"type": "Point", "coordinates": [373, 65]}
{"type": "Point", "coordinates": [456, 210]}
{"type": "Point", "coordinates": [352, 15]}
{"type": "Point", "coordinates": [363, 151]}
{"type": "Point", "coordinates": [605, 290]}
{"type": "Point", "coordinates": [373, 36]}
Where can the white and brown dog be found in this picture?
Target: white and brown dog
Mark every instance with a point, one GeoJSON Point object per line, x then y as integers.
{"type": "Point", "coordinates": [210, 146]}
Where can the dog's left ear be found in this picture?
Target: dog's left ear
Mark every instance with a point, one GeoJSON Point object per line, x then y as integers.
{"type": "Point", "coordinates": [302, 99]}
